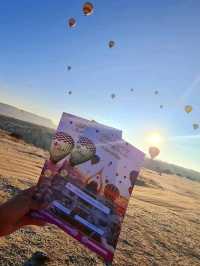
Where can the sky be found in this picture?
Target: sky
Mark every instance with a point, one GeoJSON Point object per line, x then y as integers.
{"type": "Point", "coordinates": [157, 48]}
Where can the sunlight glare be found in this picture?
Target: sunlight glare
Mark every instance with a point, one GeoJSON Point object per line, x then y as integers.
{"type": "Point", "coordinates": [154, 138]}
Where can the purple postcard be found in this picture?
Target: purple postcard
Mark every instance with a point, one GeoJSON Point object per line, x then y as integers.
{"type": "Point", "coordinates": [88, 180]}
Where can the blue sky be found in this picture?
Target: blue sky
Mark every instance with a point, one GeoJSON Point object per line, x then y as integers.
{"type": "Point", "coordinates": [157, 48]}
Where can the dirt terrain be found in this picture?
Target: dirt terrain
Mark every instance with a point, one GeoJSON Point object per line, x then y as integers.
{"type": "Point", "coordinates": [162, 225]}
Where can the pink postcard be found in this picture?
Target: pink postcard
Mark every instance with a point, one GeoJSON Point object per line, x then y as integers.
{"type": "Point", "coordinates": [88, 180]}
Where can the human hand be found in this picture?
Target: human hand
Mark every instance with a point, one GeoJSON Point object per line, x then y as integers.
{"type": "Point", "coordinates": [15, 212]}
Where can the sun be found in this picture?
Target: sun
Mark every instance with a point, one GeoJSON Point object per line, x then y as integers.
{"type": "Point", "coordinates": [154, 138]}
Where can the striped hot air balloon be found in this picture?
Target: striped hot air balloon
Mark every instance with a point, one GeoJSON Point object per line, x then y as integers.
{"type": "Point", "coordinates": [84, 151]}
{"type": "Point", "coordinates": [61, 146]}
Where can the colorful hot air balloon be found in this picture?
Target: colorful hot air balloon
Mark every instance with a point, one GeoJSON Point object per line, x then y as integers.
{"type": "Point", "coordinates": [188, 109]}
{"type": "Point", "coordinates": [195, 126]}
{"type": "Point", "coordinates": [84, 151]}
{"type": "Point", "coordinates": [111, 44]}
{"type": "Point", "coordinates": [111, 192]}
{"type": "Point", "coordinates": [72, 22]}
{"type": "Point", "coordinates": [62, 145]}
{"type": "Point", "coordinates": [154, 152]}
{"type": "Point", "coordinates": [88, 8]}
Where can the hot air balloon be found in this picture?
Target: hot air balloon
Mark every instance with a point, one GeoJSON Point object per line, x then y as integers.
{"type": "Point", "coordinates": [154, 152]}
{"type": "Point", "coordinates": [61, 146]}
{"type": "Point", "coordinates": [188, 109]}
{"type": "Point", "coordinates": [72, 22]}
{"type": "Point", "coordinates": [84, 151]}
{"type": "Point", "coordinates": [113, 96]}
{"type": "Point", "coordinates": [95, 159]}
{"type": "Point", "coordinates": [88, 8]}
{"type": "Point", "coordinates": [195, 126]}
{"type": "Point", "coordinates": [111, 44]}
{"type": "Point", "coordinates": [111, 192]}
{"type": "Point", "coordinates": [110, 163]}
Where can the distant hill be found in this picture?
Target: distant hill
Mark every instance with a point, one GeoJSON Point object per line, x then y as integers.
{"type": "Point", "coordinates": [167, 168]}
{"type": "Point", "coordinates": [34, 134]}
{"type": "Point", "coordinates": [22, 115]}
{"type": "Point", "coordinates": [41, 136]}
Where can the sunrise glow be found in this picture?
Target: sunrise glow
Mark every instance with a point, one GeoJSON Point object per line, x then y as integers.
{"type": "Point", "coordinates": [154, 138]}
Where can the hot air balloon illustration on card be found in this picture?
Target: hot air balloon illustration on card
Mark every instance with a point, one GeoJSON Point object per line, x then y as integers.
{"type": "Point", "coordinates": [83, 151]}
{"type": "Point", "coordinates": [61, 146]}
